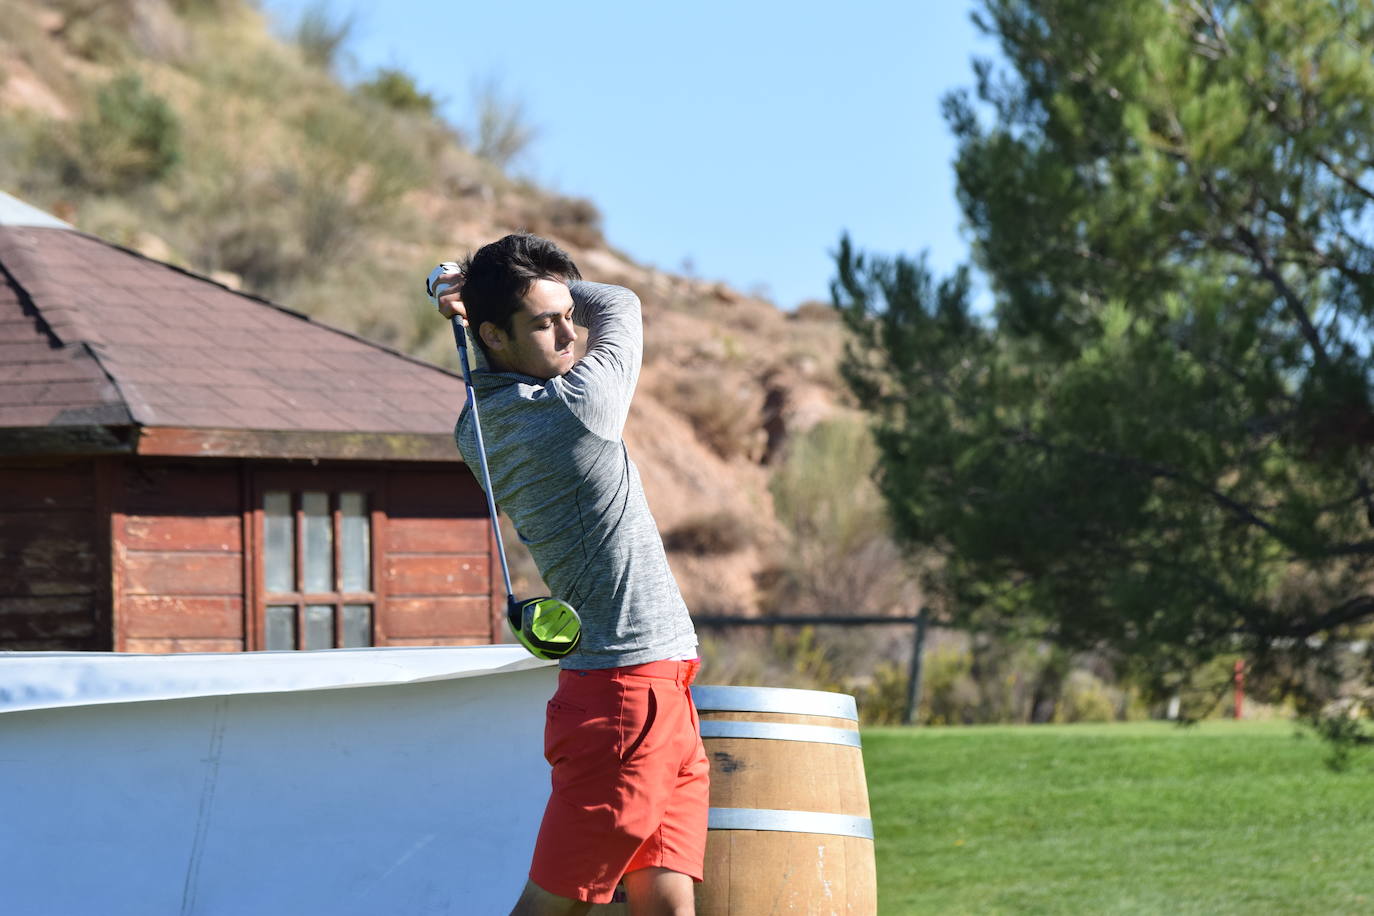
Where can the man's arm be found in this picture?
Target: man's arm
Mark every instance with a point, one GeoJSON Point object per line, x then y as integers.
{"type": "Point", "coordinates": [599, 388]}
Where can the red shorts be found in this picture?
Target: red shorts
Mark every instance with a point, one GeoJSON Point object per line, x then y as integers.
{"type": "Point", "coordinates": [629, 779]}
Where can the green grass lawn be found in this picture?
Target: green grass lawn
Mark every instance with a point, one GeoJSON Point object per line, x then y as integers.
{"type": "Point", "coordinates": [1133, 818]}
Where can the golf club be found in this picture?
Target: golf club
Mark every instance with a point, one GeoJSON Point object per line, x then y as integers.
{"type": "Point", "coordinates": [548, 627]}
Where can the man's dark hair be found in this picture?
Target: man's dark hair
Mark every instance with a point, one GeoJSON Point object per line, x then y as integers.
{"type": "Point", "coordinates": [497, 278]}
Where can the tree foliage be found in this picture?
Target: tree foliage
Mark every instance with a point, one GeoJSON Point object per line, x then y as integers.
{"type": "Point", "coordinates": [1158, 442]}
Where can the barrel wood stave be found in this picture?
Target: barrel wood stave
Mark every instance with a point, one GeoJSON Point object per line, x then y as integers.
{"type": "Point", "coordinates": [765, 871]}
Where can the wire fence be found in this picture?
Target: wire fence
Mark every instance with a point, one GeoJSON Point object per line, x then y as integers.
{"type": "Point", "coordinates": [919, 623]}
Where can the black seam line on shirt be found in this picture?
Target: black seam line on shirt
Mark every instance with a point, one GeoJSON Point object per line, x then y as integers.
{"type": "Point", "coordinates": [574, 597]}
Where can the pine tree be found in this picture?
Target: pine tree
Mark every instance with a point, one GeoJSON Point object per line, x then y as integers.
{"type": "Point", "coordinates": [1158, 443]}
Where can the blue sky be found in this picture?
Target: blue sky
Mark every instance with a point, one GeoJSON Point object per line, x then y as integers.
{"type": "Point", "coordinates": [738, 138]}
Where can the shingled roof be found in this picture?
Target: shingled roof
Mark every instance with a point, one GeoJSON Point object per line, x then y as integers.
{"type": "Point", "coordinates": [105, 350]}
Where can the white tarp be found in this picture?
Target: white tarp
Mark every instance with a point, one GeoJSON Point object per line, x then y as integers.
{"type": "Point", "coordinates": [43, 680]}
{"type": "Point", "coordinates": [255, 783]}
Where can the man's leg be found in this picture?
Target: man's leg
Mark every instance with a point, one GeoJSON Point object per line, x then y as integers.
{"type": "Point", "coordinates": [657, 891]}
{"type": "Point", "coordinates": [535, 901]}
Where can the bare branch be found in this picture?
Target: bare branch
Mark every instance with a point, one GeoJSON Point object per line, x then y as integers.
{"type": "Point", "coordinates": [1357, 609]}
{"type": "Point", "coordinates": [1292, 302]}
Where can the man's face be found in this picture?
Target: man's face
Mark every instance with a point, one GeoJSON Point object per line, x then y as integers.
{"type": "Point", "coordinates": [540, 343]}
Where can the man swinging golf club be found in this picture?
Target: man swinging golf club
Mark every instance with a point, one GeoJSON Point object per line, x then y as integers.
{"type": "Point", "coordinates": [629, 798]}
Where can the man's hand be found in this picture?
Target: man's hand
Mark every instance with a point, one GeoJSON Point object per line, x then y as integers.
{"type": "Point", "coordinates": [450, 301]}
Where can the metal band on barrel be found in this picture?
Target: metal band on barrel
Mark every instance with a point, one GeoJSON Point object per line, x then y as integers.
{"type": "Point", "coordinates": [779, 731]}
{"type": "Point", "coordinates": [775, 699]}
{"type": "Point", "coordinates": [789, 821]}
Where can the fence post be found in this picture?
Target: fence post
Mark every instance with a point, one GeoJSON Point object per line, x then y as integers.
{"type": "Point", "coordinates": [1240, 686]}
{"type": "Point", "coordinates": [913, 684]}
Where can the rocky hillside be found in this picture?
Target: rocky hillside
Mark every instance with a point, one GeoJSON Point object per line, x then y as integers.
{"type": "Point", "coordinates": [188, 130]}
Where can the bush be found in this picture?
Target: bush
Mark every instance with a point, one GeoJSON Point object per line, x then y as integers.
{"type": "Point", "coordinates": [129, 137]}
{"type": "Point", "coordinates": [812, 310]}
{"type": "Point", "coordinates": [949, 695]}
{"type": "Point", "coordinates": [710, 535]}
{"type": "Point", "coordinates": [322, 36]}
{"type": "Point", "coordinates": [396, 89]}
{"type": "Point", "coordinates": [1087, 699]}
{"type": "Point", "coordinates": [504, 132]}
{"type": "Point", "coordinates": [575, 220]}
{"type": "Point", "coordinates": [882, 699]}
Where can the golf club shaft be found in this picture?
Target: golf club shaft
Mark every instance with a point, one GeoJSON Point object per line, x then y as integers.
{"type": "Point", "coordinates": [460, 335]}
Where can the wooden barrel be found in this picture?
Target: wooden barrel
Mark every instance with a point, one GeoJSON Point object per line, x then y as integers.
{"type": "Point", "coordinates": [789, 822]}
{"type": "Point", "coordinates": [789, 828]}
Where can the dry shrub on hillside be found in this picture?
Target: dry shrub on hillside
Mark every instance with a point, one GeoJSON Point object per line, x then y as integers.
{"type": "Point", "coordinates": [711, 534]}
{"type": "Point", "coordinates": [724, 408]}
{"type": "Point", "coordinates": [503, 130]}
{"type": "Point", "coordinates": [814, 310]}
{"type": "Point", "coordinates": [396, 89]}
{"type": "Point", "coordinates": [574, 220]}
{"type": "Point", "coordinates": [322, 35]}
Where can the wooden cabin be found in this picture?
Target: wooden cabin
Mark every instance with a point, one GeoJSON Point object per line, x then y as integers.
{"type": "Point", "coordinates": [184, 468]}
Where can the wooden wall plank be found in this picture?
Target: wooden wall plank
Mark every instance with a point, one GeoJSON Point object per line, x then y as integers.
{"type": "Point", "coordinates": [180, 557]}
{"type": "Point", "coordinates": [182, 617]}
{"type": "Point", "coordinates": [412, 618]}
{"type": "Point", "coordinates": [47, 553]}
{"type": "Point", "coordinates": [181, 573]}
{"type": "Point", "coordinates": [167, 646]}
{"type": "Point", "coordinates": [436, 574]}
{"type": "Point", "coordinates": [496, 587]}
{"type": "Point", "coordinates": [250, 624]}
{"type": "Point", "coordinates": [55, 621]}
{"type": "Point", "coordinates": [170, 532]}
{"type": "Point", "coordinates": [440, 641]}
{"type": "Point", "coordinates": [108, 519]}
{"type": "Point", "coordinates": [49, 565]}
{"type": "Point", "coordinates": [436, 535]}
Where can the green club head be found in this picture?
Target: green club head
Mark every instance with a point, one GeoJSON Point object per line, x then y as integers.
{"type": "Point", "coordinates": [547, 627]}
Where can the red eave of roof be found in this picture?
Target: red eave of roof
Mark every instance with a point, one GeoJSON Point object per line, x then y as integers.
{"type": "Point", "coordinates": [97, 334]}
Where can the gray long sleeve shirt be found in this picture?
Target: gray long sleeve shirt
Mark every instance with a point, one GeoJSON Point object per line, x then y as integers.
{"type": "Point", "coordinates": [560, 471]}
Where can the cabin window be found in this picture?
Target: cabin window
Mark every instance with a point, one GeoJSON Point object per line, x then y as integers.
{"type": "Point", "coordinates": [317, 569]}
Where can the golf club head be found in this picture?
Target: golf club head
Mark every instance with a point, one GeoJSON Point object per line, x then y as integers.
{"type": "Point", "coordinates": [548, 627]}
